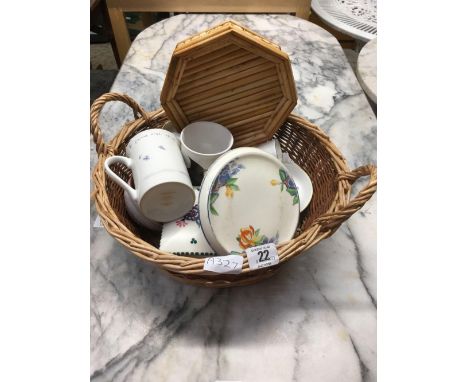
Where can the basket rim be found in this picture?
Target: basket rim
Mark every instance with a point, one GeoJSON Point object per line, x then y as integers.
{"type": "Point", "coordinates": [194, 266]}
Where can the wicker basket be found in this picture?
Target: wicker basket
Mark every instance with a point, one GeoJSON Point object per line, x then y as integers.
{"type": "Point", "coordinates": [306, 144]}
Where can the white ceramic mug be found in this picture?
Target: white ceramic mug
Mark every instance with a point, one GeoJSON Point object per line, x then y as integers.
{"type": "Point", "coordinates": [135, 214]}
{"type": "Point", "coordinates": [204, 142]}
{"type": "Point", "coordinates": [163, 190]}
{"type": "Point", "coordinates": [169, 126]}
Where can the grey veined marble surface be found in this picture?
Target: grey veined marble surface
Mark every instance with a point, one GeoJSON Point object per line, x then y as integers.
{"type": "Point", "coordinates": [367, 69]}
{"type": "Point", "coordinates": [315, 320]}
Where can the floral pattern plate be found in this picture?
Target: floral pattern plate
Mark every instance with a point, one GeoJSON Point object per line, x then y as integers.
{"type": "Point", "coordinates": [247, 198]}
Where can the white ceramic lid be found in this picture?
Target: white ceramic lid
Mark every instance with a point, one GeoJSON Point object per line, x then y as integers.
{"type": "Point", "coordinates": [247, 198]}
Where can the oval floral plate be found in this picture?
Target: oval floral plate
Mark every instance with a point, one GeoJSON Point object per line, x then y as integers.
{"type": "Point", "coordinates": [247, 198]}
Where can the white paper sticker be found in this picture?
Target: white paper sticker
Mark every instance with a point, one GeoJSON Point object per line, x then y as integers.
{"type": "Point", "coordinates": [224, 264]}
{"type": "Point", "coordinates": [97, 223]}
{"type": "Point", "coordinates": [262, 256]}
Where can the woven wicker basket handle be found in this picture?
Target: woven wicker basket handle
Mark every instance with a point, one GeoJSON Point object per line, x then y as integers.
{"type": "Point", "coordinates": [96, 108]}
{"type": "Point", "coordinates": [334, 219]}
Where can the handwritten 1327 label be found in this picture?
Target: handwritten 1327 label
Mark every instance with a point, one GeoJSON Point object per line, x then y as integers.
{"type": "Point", "coordinates": [224, 264]}
{"type": "Point", "coordinates": [262, 256]}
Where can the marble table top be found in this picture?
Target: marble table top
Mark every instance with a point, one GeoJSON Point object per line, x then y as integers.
{"type": "Point", "coordinates": [313, 321]}
{"type": "Point", "coordinates": [367, 69]}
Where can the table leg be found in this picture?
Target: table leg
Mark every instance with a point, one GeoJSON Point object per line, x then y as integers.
{"type": "Point", "coordinates": [303, 9]}
{"type": "Point", "coordinates": [119, 28]}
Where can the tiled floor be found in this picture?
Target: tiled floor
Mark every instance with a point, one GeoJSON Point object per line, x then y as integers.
{"type": "Point", "coordinates": [103, 70]}
{"type": "Point", "coordinates": [102, 57]}
{"type": "Point", "coordinates": [101, 82]}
